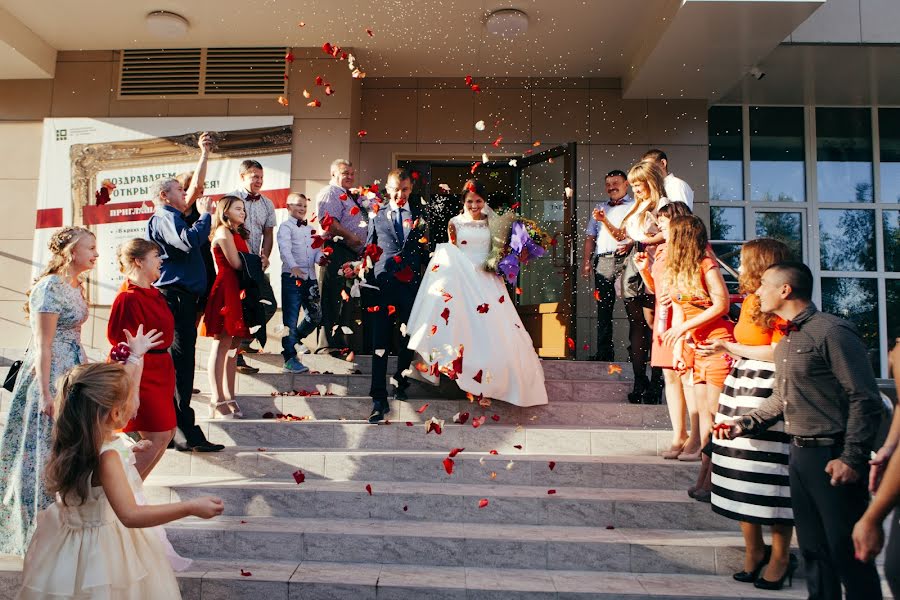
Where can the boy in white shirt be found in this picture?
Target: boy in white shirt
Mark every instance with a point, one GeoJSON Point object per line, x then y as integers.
{"type": "Point", "coordinates": [298, 281]}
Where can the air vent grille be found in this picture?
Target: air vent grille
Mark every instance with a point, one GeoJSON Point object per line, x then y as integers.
{"type": "Point", "coordinates": [202, 72]}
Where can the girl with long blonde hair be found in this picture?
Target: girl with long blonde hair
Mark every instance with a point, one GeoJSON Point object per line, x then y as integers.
{"type": "Point", "coordinates": [56, 309]}
{"type": "Point", "coordinates": [96, 540]}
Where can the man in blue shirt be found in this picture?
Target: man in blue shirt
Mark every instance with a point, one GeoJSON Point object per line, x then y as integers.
{"type": "Point", "coordinates": [182, 281]}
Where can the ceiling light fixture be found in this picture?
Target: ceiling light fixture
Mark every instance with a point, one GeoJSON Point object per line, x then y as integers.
{"type": "Point", "coordinates": [165, 24]}
{"type": "Point", "coordinates": [507, 22]}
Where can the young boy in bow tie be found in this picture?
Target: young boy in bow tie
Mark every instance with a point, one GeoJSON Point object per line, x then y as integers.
{"type": "Point", "coordinates": [298, 281]}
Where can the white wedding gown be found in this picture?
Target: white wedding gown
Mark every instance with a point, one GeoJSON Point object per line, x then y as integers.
{"type": "Point", "coordinates": [480, 317]}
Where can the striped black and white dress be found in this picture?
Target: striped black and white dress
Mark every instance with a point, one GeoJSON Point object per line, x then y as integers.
{"type": "Point", "coordinates": [750, 475]}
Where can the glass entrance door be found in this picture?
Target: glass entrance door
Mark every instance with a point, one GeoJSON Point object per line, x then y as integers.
{"type": "Point", "coordinates": [546, 194]}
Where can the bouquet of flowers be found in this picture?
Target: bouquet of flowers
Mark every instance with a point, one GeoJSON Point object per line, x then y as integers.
{"type": "Point", "coordinates": [526, 241]}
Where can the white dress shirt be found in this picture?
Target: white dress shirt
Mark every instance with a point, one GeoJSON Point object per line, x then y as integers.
{"type": "Point", "coordinates": [677, 190]}
{"type": "Point", "coordinates": [606, 243]}
{"type": "Point", "coordinates": [295, 247]}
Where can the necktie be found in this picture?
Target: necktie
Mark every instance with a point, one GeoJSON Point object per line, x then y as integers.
{"type": "Point", "coordinates": [301, 222]}
{"type": "Point", "coordinates": [253, 197]}
{"type": "Point", "coordinates": [398, 224]}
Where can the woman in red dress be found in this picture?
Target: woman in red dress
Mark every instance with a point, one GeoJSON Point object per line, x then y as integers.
{"type": "Point", "coordinates": [139, 303]}
{"type": "Point", "coordinates": [223, 319]}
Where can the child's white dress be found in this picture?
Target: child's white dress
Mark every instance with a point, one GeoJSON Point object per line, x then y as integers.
{"type": "Point", "coordinates": [84, 552]}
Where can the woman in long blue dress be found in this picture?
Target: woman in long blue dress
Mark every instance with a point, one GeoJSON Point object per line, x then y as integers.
{"type": "Point", "coordinates": [56, 310]}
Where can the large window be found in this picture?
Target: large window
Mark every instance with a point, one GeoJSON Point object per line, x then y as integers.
{"type": "Point", "coordinates": [844, 154]}
{"type": "Point", "coordinates": [817, 179]}
{"type": "Point", "coordinates": [777, 171]}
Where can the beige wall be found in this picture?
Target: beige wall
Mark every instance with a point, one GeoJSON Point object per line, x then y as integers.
{"type": "Point", "coordinates": [401, 116]}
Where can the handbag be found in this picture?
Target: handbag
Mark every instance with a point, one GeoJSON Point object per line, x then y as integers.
{"type": "Point", "coordinates": [9, 383]}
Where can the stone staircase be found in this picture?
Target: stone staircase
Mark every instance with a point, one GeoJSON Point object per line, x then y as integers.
{"type": "Point", "coordinates": [378, 516]}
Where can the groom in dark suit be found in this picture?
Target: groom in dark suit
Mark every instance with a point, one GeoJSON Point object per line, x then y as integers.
{"type": "Point", "coordinates": [400, 232]}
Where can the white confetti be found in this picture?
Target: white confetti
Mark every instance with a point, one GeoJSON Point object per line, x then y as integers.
{"type": "Point", "coordinates": [346, 330]}
{"type": "Point", "coordinates": [264, 301]}
{"type": "Point", "coordinates": [513, 162]}
{"type": "Point", "coordinates": [444, 188]}
{"type": "Point", "coordinates": [484, 158]}
{"type": "Point", "coordinates": [479, 125]}
{"type": "Point", "coordinates": [509, 466]}
{"type": "Point", "coordinates": [379, 352]}
{"type": "Point", "coordinates": [255, 328]}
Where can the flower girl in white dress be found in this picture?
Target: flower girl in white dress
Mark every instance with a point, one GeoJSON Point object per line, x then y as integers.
{"type": "Point", "coordinates": [463, 309]}
{"type": "Point", "coordinates": [96, 542]}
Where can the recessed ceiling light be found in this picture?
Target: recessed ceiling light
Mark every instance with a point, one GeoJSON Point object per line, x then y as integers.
{"type": "Point", "coordinates": [507, 22]}
{"type": "Point", "coordinates": [165, 24]}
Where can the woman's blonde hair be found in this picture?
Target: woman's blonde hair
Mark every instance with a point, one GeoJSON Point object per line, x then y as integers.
{"type": "Point", "coordinates": [650, 173]}
{"type": "Point", "coordinates": [684, 252]}
{"type": "Point", "coordinates": [133, 250]}
{"type": "Point", "coordinates": [87, 394]}
{"type": "Point", "coordinates": [222, 205]}
{"type": "Point", "coordinates": [757, 256]}
{"type": "Point", "coordinates": [61, 245]}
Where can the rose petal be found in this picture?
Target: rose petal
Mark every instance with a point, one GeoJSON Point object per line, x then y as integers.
{"type": "Point", "coordinates": [461, 418]}
{"type": "Point", "coordinates": [299, 476]}
{"type": "Point", "coordinates": [551, 492]}
{"type": "Point", "coordinates": [483, 502]}
{"type": "Point", "coordinates": [477, 376]}
{"type": "Point", "coordinates": [245, 573]}
{"type": "Point", "coordinates": [455, 451]}
{"type": "Point", "coordinates": [495, 418]}
{"type": "Point", "coordinates": [422, 408]}
{"type": "Point", "coordinates": [369, 488]}
{"type": "Point", "coordinates": [494, 452]}
{"type": "Point", "coordinates": [518, 446]}
{"type": "Point", "coordinates": [448, 465]}
{"type": "Point", "coordinates": [552, 464]}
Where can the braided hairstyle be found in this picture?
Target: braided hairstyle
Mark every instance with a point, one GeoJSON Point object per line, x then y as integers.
{"type": "Point", "coordinates": [61, 246]}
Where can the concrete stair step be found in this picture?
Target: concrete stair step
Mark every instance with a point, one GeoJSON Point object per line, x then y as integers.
{"type": "Point", "coordinates": [615, 472]}
{"type": "Point", "coordinates": [310, 580]}
{"type": "Point", "coordinates": [500, 436]}
{"type": "Point", "coordinates": [448, 502]}
{"type": "Point", "coordinates": [558, 412]}
{"type": "Point", "coordinates": [553, 369]}
{"type": "Point", "coordinates": [358, 384]}
{"type": "Point", "coordinates": [458, 545]}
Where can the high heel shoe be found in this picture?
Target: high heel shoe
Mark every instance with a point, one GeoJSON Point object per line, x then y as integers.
{"type": "Point", "coordinates": [751, 576]}
{"type": "Point", "coordinates": [764, 584]}
{"type": "Point", "coordinates": [214, 408]}
{"type": "Point", "coordinates": [236, 411]}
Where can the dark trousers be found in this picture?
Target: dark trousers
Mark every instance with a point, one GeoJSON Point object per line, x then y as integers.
{"type": "Point", "coordinates": [640, 337]}
{"type": "Point", "coordinates": [335, 312]}
{"type": "Point", "coordinates": [892, 555]}
{"type": "Point", "coordinates": [183, 305]}
{"type": "Point", "coordinates": [824, 516]}
{"type": "Point", "coordinates": [297, 293]}
{"type": "Point", "coordinates": [606, 302]}
{"type": "Point", "coordinates": [401, 296]}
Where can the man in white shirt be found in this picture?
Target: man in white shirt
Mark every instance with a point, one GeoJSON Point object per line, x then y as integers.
{"type": "Point", "coordinates": [677, 190]}
{"type": "Point", "coordinates": [605, 257]}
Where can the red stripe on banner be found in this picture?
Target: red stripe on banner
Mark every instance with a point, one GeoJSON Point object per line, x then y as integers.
{"type": "Point", "coordinates": [49, 218]}
{"type": "Point", "coordinates": [123, 212]}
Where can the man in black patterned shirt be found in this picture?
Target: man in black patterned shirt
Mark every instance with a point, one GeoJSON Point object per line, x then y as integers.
{"type": "Point", "coordinates": [826, 391]}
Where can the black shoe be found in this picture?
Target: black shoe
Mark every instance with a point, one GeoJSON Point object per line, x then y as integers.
{"type": "Point", "coordinates": [248, 349]}
{"type": "Point", "coordinates": [400, 394]}
{"type": "Point", "coordinates": [635, 397]}
{"type": "Point", "coordinates": [651, 396]}
{"type": "Point", "coordinates": [751, 576]}
{"type": "Point", "coordinates": [377, 415]}
{"type": "Point", "coordinates": [203, 446]}
{"type": "Point", "coordinates": [243, 367]}
{"type": "Point", "coordinates": [764, 584]}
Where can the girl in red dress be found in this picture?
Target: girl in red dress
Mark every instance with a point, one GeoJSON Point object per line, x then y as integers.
{"type": "Point", "coordinates": [139, 303]}
{"type": "Point", "coordinates": [223, 319]}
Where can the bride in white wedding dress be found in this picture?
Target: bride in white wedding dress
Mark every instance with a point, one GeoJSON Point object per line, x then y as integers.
{"type": "Point", "coordinates": [463, 308]}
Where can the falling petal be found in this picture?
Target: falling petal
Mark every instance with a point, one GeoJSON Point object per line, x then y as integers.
{"type": "Point", "coordinates": [282, 101]}
{"type": "Point", "coordinates": [448, 465]}
{"type": "Point", "coordinates": [477, 376]}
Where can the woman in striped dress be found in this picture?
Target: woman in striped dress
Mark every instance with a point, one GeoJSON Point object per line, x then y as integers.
{"type": "Point", "coordinates": [750, 475]}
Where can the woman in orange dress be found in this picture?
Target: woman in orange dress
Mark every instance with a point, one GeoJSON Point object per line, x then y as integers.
{"type": "Point", "coordinates": [750, 475]}
{"type": "Point", "coordinates": [139, 303]}
{"type": "Point", "coordinates": [223, 319]}
{"type": "Point", "coordinates": [699, 314]}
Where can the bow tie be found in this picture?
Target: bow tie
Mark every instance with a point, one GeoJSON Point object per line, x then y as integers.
{"type": "Point", "coordinates": [615, 202]}
{"type": "Point", "coordinates": [253, 197]}
{"type": "Point", "coordinates": [787, 328]}
{"type": "Point", "coordinates": [301, 222]}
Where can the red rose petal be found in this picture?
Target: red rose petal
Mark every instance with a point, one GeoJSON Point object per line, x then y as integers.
{"type": "Point", "coordinates": [289, 57]}
{"type": "Point", "coordinates": [570, 343]}
{"type": "Point", "coordinates": [502, 299]}
{"type": "Point", "coordinates": [455, 451]}
{"type": "Point", "coordinates": [448, 465]}
{"type": "Point", "coordinates": [518, 446]}
{"type": "Point", "coordinates": [445, 314]}
{"type": "Point", "coordinates": [552, 464]}
{"type": "Point", "coordinates": [461, 419]}
{"type": "Point", "coordinates": [405, 275]}
{"type": "Point", "coordinates": [370, 32]}
{"type": "Point", "coordinates": [483, 502]}
{"type": "Point", "coordinates": [494, 452]}
{"type": "Point", "coordinates": [597, 295]}
{"type": "Point", "coordinates": [435, 268]}
{"type": "Point", "coordinates": [369, 488]}
{"type": "Point", "coordinates": [483, 308]}
{"type": "Point", "coordinates": [551, 492]}
{"type": "Point", "coordinates": [299, 476]}
{"type": "Point", "coordinates": [433, 329]}
{"type": "Point", "coordinates": [405, 508]}
{"type": "Point", "coordinates": [610, 527]}
{"type": "Point", "coordinates": [245, 573]}
{"type": "Point", "coordinates": [422, 408]}
{"type": "Point", "coordinates": [479, 421]}
{"type": "Point", "coordinates": [469, 80]}
{"type": "Point", "coordinates": [409, 423]}
{"type": "Point", "coordinates": [477, 376]}
{"type": "Point", "coordinates": [495, 417]}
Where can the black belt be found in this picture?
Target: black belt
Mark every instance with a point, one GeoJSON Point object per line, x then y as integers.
{"type": "Point", "coordinates": [158, 351]}
{"type": "Point", "coordinates": [599, 254]}
{"type": "Point", "coordinates": [817, 441]}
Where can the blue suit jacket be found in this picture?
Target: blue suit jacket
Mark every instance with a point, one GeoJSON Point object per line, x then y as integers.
{"type": "Point", "coordinates": [412, 252]}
